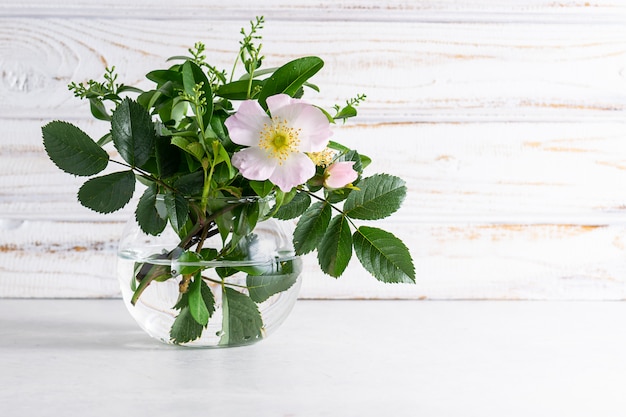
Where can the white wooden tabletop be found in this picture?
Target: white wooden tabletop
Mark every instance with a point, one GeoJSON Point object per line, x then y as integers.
{"type": "Point", "coordinates": [331, 358]}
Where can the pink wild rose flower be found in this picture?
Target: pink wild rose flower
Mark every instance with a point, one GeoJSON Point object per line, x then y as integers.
{"type": "Point", "coordinates": [276, 146]}
{"type": "Point", "coordinates": [339, 174]}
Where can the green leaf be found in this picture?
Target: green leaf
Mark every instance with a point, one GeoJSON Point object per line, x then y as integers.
{"type": "Point", "coordinates": [290, 77]}
{"type": "Point", "coordinates": [262, 188]}
{"type": "Point", "coordinates": [98, 110]}
{"type": "Point", "coordinates": [383, 255]}
{"type": "Point", "coordinates": [193, 75]}
{"type": "Point", "coordinates": [353, 156]}
{"type": "Point", "coordinates": [246, 218]}
{"type": "Point", "coordinates": [346, 113]}
{"type": "Point", "coordinates": [187, 263]}
{"type": "Point", "coordinates": [133, 132]}
{"type": "Point", "coordinates": [147, 214]}
{"type": "Point", "coordinates": [104, 139]}
{"type": "Point", "coordinates": [379, 196]}
{"type": "Point", "coordinates": [177, 210]}
{"type": "Point", "coordinates": [185, 328]}
{"type": "Point", "coordinates": [364, 160]}
{"type": "Point", "coordinates": [311, 227]}
{"type": "Point", "coordinates": [242, 321]}
{"type": "Point", "coordinates": [221, 156]}
{"type": "Point", "coordinates": [72, 150]}
{"type": "Point", "coordinates": [335, 249]}
{"type": "Point", "coordinates": [296, 207]}
{"type": "Point", "coordinates": [107, 193]}
{"type": "Point", "coordinates": [147, 272]}
{"type": "Point", "coordinates": [201, 302]}
{"type": "Point", "coordinates": [160, 77]}
{"type": "Point", "coordinates": [190, 184]}
{"type": "Point", "coordinates": [167, 157]}
{"type": "Point", "coordinates": [237, 90]}
{"type": "Point", "coordinates": [262, 287]}
{"type": "Point", "coordinates": [191, 147]}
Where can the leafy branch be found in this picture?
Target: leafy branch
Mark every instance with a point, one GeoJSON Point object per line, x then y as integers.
{"type": "Point", "coordinates": [99, 92]}
{"type": "Point", "coordinates": [249, 52]}
{"type": "Point", "coordinates": [380, 252]}
{"type": "Point", "coordinates": [349, 110]}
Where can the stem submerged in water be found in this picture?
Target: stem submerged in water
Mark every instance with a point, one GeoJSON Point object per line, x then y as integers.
{"type": "Point", "coordinates": [204, 228]}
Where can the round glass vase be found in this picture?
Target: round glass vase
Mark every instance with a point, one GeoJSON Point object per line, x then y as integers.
{"type": "Point", "coordinates": [246, 283]}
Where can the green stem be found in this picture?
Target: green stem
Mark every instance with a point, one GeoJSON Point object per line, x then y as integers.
{"type": "Point", "coordinates": [250, 84]}
{"type": "Point", "coordinates": [223, 283]}
{"type": "Point", "coordinates": [149, 272]}
{"type": "Point", "coordinates": [144, 174]}
{"type": "Point", "coordinates": [331, 206]}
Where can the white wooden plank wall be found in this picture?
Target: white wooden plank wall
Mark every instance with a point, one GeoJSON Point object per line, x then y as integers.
{"type": "Point", "coordinates": [505, 117]}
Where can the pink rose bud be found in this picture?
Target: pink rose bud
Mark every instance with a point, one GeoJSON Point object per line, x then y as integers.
{"type": "Point", "coordinates": [340, 174]}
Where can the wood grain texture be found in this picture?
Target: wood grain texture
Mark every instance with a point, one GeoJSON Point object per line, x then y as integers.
{"type": "Point", "coordinates": [45, 259]}
{"type": "Point", "coordinates": [326, 10]}
{"type": "Point", "coordinates": [509, 116]}
{"type": "Point", "coordinates": [414, 71]}
{"type": "Point", "coordinates": [456, 172]}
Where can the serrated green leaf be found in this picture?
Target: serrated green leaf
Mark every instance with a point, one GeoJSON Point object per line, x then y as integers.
{"type": "Point", "coordinates": [311, 227]}
{"type": "Point", "coordinates": [133, 132]}
{"type": "Point", "coordinates": [185, 328]}
{"type": "Point", "coordinates": [190, 184]}
{"type": "Point", "coordinates": [296, 207]}
{"type": "Point", "coordinates": [383, 255]}
{"type": "Point", "coordinates": [147, 214]}
{"type": "Point", "coordinates": [262, 287]}
{"type": "Point", "coordinates": [72, 150]}
{"type": "Point", "coordinates": [242, 321]}
{"type": "Point", "coordinates": [335, 249]}
{"type": "Point", "coordinates": [378, 196]}
{"type": "Point", "coordinates": [177, 210]}
{"type": "Point", "coordinates": [107, 193]}
{"type": "Point", "coordinates": [289, 78]}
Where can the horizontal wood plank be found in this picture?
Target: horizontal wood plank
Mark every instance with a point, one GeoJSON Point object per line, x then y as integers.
{"type": "Point", "coordinates": [409, 71]}
{"type": "Point", "coordinates": [311, 10]}
{"type": "Point", "coordinates": [50, 259]}
{"type": "Point", "coordinates": [570, 173]}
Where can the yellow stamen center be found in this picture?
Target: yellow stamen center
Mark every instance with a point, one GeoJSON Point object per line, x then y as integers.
{"type": "Point", "coordinates": [323, 158]}
{"type": "Point", "coordinates": [279, 140]}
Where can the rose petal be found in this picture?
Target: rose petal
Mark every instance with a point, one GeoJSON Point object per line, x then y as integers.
{"type": "Point", "coordinates": [244, 127]}
{"type": "Point", "coordinates": [277, 101]}
{"type": "Point", "coordinates": [340, 174]}
{"type": "Point", "coordinates": [254, 164]}
{"type": "Point", "coordinates": [295, 170]}
{"type": "Point", "coordinates": [313, 126]}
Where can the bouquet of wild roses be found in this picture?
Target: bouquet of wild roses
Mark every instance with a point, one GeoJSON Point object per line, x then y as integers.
{"type": "Point", "coordinates": [187, 138]}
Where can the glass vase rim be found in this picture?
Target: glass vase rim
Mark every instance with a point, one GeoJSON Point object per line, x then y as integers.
{"type": "Point", "coordinates": [290, 256]}
{"type": "Point", "coordinates": [225, 199]}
